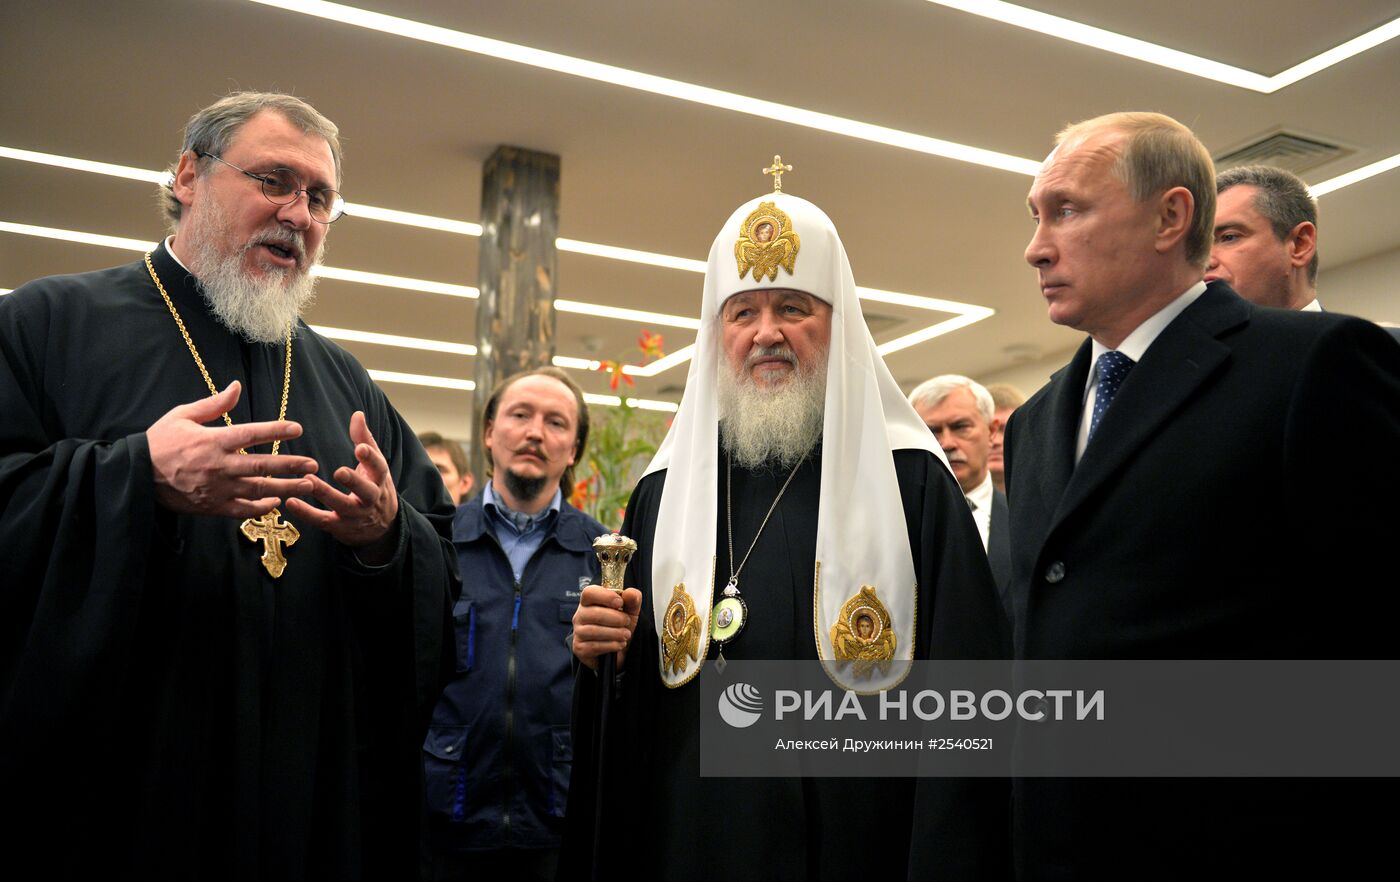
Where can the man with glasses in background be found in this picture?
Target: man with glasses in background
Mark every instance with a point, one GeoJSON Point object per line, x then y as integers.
{"type": "Point", "coordinates": [227, 573]}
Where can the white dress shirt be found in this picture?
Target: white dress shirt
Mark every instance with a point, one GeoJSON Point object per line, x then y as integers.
{"type": "Point", "coordinates": [980, 499]}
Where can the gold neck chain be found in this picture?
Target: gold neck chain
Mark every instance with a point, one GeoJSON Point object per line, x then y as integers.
{"type": "Point", "coordinates": [204, 372]}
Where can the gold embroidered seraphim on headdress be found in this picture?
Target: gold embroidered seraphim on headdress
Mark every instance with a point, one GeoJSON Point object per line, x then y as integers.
{"type": "Point", "coordinates": [766, 242]}
{"type": "Point", "coordinates": [766, 238]}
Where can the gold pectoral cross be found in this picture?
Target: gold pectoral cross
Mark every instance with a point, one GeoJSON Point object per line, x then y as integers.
{"type": "Point", "coordinates": [273, 534]}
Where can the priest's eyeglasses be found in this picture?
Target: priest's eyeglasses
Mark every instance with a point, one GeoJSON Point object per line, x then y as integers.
{"type": "Point", "coordinates": [281, 186]}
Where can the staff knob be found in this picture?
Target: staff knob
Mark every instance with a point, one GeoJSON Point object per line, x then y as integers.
{"type": "Point", "coordinates": [614, 550]}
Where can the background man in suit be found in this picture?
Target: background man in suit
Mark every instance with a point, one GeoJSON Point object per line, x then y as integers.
{"type": "Point", "coordinates": [1266, 237]}
{"type": "Point", "coordinates": [1174, 504]}
{"type": "Point", "coordinates": [1007, 398]}
{"type": "Point", "coordinates": [451, 462]}
{"type": "Point", "coordinates": [960, 413]}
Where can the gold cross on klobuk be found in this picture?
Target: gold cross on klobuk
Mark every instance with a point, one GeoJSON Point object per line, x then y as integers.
{"type": "Point", "coordinates": [776, 170]}
{"type": "Point", "coordinates": [273, 533]}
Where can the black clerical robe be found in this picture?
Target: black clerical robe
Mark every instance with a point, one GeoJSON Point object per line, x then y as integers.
{"type": "Point", "coordinates": [664, 822]}
{"type": "Point", "coordinates": [167, 709]}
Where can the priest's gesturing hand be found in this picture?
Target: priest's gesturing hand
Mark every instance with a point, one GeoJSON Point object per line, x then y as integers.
{"type": "Point", "coordinates": [198, 469]}
{"type": "Point", "coordinates": [604, 622]}
{"type": "Point", "coordinates": [363, 518]}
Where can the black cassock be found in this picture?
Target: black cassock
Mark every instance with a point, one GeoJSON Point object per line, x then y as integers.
{"type": "Point", "coordinates": [168, 709]}
{"type": "Point", "coordinates": [662, 821]}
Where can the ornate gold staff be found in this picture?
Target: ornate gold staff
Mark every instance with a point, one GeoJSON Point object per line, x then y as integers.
{"type": "Point", "coordinates": [614, 551]}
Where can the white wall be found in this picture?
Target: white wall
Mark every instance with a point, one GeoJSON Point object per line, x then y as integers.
{"type": "Point", "coordinates": [1369, 287]}
{"type": "Point", "coordinates": [1030, 376]}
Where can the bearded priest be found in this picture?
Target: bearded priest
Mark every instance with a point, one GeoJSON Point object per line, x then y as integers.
{"type": "Point", "coordinates": [217, 663]}
{"type": "Point", "coordinates": [794, 461]}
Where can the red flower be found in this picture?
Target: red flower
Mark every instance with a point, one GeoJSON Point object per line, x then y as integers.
{"type": "Point", "coordinates": [582, 492]}
{"type": "Point", "coordinates": [614, 370]}
{"type": "Point", "coordinates": [651, 344]}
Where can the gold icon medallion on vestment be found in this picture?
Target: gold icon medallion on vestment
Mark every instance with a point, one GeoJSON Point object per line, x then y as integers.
{"type": "Point", "coordinates": [680, 632]}
{"type": "Point", "coordinates": [862, 635]}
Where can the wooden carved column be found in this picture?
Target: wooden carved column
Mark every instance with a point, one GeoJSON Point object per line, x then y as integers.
{"type": "Point", "coordinates": [518, 269]}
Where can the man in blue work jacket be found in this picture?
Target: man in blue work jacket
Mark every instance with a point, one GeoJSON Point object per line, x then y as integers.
{"type": "Point", "coordinates": [498, 754]}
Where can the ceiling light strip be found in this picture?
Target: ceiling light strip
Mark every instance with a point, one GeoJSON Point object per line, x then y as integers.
{"type": "Point", "coordinates": [408, 218]}
{"type": "Point", "coordinates": [1331, 185]}
{"type": "Point", "coordinates": [464, 349]}
{"type": "Point", "coordinates": [665, 363]}
{"type": "Point", "coordinates": [467, 386]}
{"type": "Point", "coordinates": [75, 236]}
{"type": "Point", "coordinates": [421, 380]}
{"type": "Point", "coordinates": [1098, 38]}
{"type": "Point", "coordinates": [625, 314]}
{"type": "Point", "coordinates": [937, 330]}
{"type": "Point", "coordinates": [387, 281]}
{"type": "Point", "coordinates": [630, 255]}
{"type": "Point", "coordinates": [1355, 46]}
{"type": "Point", "coordinates": [87, 165]}
{"type": "Point", "coordinates": [353, 336]}
{"type": "Point", "coordinates": [1152, 53]}
{"type": "Point", "coordinates": [578, 364]}
{"type": "Point", "coordinates": [916, 301]}
{"type": "Point", "coordinates": [639, 403]}
{"type": "Point", "coordinates": [656, 85]}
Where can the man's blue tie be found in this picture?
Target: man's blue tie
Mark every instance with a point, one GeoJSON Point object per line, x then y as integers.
{"type": "Point", "coordinates": [1113, 370]}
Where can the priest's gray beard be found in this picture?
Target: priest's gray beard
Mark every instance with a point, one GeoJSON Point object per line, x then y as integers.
{"type": "Point", "coordinates": [258, 308]}
{"type": "Point", "coordinates": [772, 426]}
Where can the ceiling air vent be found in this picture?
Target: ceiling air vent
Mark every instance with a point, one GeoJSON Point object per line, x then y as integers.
{"type": "Point", "coordinates": [1284, 150]}
{"type": "Point", "coordinates": [879, 323]}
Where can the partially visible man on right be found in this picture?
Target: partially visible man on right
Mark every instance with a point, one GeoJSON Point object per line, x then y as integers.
{"type": "Point", "coordinates": [1169, 502]}
{"type": "Point", "coordinates": [1266, 237]}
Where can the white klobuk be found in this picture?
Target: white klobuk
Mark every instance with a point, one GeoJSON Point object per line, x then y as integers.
{"type": "Point", "coordinates": [862, 539]}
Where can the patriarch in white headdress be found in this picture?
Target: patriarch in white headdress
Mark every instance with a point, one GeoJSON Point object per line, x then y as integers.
{"type": "Point", "coordinates": [865, 588]}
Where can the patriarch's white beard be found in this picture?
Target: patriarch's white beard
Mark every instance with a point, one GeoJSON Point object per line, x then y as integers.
{"type": "Point", "coordinates": [774, 425]}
